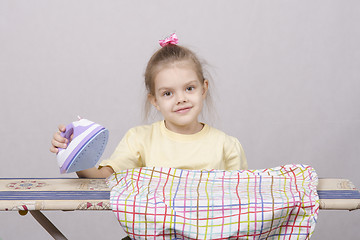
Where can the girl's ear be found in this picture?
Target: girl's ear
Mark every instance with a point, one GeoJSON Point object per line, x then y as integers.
{"type": "Point", "coordinates": [205, 88]}
{"type": "Point", "coordinates": [152, 100]}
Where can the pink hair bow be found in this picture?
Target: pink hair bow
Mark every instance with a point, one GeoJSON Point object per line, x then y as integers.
{"type": "Point", "coordinates": [169, 40]}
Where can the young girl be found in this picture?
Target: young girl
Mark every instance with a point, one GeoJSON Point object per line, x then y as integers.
{"type": "Point", "coordinates": [177, 88]}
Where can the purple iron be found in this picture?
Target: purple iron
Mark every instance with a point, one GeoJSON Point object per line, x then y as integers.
{"type": "Point", "coordinates": [85, 148]}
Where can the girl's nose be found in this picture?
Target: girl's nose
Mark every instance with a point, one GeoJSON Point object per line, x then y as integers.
{"type": "Point", "coordinates": [181, 98]}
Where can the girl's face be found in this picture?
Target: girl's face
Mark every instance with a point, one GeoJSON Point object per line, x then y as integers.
{"type": "Point", "coordinates": [179, 96]}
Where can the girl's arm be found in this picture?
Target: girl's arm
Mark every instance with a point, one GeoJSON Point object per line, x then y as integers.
{"type": "Point", "coordinates": [60, 142]}
{"type": "Point", "coordinates": [94, 172]}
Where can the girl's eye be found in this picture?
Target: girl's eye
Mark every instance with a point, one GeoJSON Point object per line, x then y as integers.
{"type": "Point", "coordinates": [167, 94]}
{"type": "Point", "coordinates": [189, 89]}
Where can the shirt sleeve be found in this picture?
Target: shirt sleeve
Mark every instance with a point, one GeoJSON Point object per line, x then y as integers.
{"type": "Point", "coordinates": [127, 154]}
{"type": "Point", "coordinates": [235, 158]}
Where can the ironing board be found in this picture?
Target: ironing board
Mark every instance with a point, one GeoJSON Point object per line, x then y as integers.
{"type": "Point", "coordinates": [67, 194]}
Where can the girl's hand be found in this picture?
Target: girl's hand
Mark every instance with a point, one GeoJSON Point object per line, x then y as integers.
{"type": "Point", "coordinates": [58, 141]}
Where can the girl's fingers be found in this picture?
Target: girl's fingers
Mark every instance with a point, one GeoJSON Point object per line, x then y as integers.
{"type": "Point", "coordinates": [58, 144]}
{"type": "Point", "coordinates": [62, 128]}
{"type": "Point", "coordinates": [57, 137]}
{"type": "Point", "coordinates": [58, 141]}
{"type": "Point", "coordinates": [54, 149]}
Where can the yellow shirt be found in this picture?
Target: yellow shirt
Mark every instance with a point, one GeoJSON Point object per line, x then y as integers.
{"type": "Point", "coordinates": [156, 146]}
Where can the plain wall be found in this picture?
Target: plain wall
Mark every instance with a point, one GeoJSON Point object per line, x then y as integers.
{"type": "Point", "coordinates": [285, 80]}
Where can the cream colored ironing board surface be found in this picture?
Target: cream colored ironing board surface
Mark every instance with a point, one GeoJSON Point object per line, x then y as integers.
{"type": "Point", "coordinates": [338, 194]}
{"type": "Point", "coordinates": [34, 195]}
{"type": "Point", "coordinates": [54, 194]}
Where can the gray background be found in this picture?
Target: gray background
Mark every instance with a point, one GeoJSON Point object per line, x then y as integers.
{"type": "Point", "coordinates": [285, 82]}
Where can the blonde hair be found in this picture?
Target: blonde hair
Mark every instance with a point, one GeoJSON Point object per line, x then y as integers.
{"type": "Point", "coordinates": [165, 57]}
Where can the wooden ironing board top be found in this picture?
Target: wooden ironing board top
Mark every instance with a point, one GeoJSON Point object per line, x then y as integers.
{"type": "Point", "coordinates": [17, 194]}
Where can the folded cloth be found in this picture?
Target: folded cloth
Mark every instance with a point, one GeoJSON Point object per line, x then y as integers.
{"type": "Point", "coordinates": [169, 203]}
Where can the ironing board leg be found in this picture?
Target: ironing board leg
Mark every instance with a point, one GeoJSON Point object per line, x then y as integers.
{"type": "Point", "coordinates": [47, 225]}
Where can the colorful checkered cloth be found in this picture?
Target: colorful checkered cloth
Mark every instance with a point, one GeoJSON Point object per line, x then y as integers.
{"type": "Point", "coordinates": [168, 203]}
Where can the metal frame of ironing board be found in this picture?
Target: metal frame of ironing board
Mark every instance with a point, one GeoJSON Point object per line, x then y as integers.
{"type": "Point", "coordinates": [67, 194]}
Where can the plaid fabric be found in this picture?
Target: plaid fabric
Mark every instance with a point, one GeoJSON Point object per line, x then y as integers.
{"type": "Point", "coordinates": [168, 203]}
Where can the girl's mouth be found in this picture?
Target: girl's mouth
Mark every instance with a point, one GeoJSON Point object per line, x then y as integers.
{"type": "Point", "coordinates": [183, 110]}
